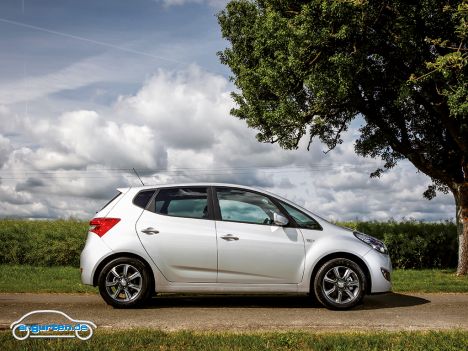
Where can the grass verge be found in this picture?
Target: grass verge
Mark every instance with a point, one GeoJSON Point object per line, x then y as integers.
{"type": "Point", "coordinates": [139, 339]}
{"type": "Point", "coordinates": [428, 280]}
{"type": "Point", "coordinates": [16, 279]}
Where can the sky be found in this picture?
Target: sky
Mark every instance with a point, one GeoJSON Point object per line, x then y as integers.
{"type": "Point", "coordinates": [90, 89]}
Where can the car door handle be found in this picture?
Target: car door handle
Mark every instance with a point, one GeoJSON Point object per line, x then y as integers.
{"type": "Point", "coordinates": [229, 237]}
{"type": "Point", "coordinates": [150, 231]}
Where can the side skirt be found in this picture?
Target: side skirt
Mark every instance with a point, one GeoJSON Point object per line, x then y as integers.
{"type": "Point", "coordinates": [229, 288]}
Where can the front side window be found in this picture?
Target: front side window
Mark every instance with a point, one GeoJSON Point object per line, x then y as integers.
{"type": "Point", "coordinates": [182, 202]}
{"type": "Point", "coordinates": [302, 220]}
{"type": "Point", "coordinates": [245, 206]}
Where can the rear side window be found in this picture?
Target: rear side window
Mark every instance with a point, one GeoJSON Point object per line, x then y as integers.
{"type": "Point", "coordinates": [183, 202]}
{"type": "Point", "coordinates": [142, 198]}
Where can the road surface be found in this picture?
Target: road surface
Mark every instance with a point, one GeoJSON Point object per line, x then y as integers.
{"type": "Point", "coordinates": [251, 313]}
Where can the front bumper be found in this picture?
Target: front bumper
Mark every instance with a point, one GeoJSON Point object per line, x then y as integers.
{"type": "Point", "coordinates": [95, 249]}
{"type": "Point", "coordinates": [380, 269]}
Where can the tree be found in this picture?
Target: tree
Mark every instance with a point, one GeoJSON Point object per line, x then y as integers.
{"type": "Point", "coordinates": [311, 67]}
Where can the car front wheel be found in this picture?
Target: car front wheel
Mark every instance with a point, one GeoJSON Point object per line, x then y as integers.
{"type": "Point", "coordinates": [125, 282]}
{"type": "Point", "coordinates": [340, 284]}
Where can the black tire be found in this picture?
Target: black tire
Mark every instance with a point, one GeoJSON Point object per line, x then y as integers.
{"type": "Point", "coordinates": [134, 291]}
{"type": "Point", "coordinates": [340, 284]}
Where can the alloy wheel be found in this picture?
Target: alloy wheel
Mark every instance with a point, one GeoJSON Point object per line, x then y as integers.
{"type": "Point", "coordinates": [341, 285]}
{"type": "Point", "coordinates": [124, 282]}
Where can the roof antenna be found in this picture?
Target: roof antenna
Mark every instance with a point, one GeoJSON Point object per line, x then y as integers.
{"type": "Point", "coordinates": [134, 170]}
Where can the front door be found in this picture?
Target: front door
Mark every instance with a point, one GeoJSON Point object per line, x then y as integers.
{"type": "Point", "coordinates": [251, 248]}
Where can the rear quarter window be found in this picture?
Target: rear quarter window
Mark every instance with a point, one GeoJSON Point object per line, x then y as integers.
{"type": "Point", "coordinates": [142, 198]}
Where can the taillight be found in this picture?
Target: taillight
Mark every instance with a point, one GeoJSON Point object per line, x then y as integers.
{"type": "Point", "coordinates": [101, 226]}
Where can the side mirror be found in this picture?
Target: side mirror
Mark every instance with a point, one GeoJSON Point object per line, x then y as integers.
{"type": "Point", "coordinates": [280, 220]}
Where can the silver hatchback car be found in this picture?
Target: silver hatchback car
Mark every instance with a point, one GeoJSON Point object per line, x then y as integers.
{"type": "Point", "coordinates": [224, 238]}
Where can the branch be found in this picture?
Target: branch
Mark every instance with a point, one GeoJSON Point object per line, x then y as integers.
{"type": "Point", "coordinates": [450, 123]}
{"type": "Point", "coordinates": [403, 147]}
{"type": "Point", "coordinates": [314, 59]}
{"type": "Point", "coordinates": [337, 136]}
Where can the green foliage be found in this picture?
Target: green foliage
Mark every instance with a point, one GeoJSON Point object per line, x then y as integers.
{"type": "Point", "coordinates": [451, 64]}
{"type": "Point", "coordinates": [311, 67]}
{"type": "Point", "coordinates": [413, 244]}
{"type": "Point", "coordinates": [42, 243]}
{"type": "Point", "coordinates": [150, 339]}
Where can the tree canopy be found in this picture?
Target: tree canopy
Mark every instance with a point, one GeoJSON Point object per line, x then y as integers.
{"type": "Point", "coordinates": [311, 67]}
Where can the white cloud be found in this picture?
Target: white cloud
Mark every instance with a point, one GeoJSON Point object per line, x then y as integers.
{"type": "Point", "coordinates": [182, 108]}
{"type": "Point", "coordinates": [97, 141]}
{"type": "Point", "coordinates": [3, 110]}
{"type": "Point", "coordinates": [80, 139]}
{"type": "Point", "coordinates": [5, 149]}
{"type": "Point", "coordinates": [180, 120]}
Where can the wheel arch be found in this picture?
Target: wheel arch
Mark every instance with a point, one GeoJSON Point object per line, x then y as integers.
{"type": "Point", "coordinates": [359, 261]}
{"type": "Point", "coordinates": [113, 256]}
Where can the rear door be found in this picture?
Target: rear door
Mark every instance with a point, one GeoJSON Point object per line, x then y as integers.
{"type": "Point", "coordinates": [178, 232]}
{"type": "Point", "coordinates": [251, 248]}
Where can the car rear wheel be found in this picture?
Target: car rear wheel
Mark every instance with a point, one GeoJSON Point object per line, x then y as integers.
{"type": "Point", "coordinates": [125, 282]}
{"type": "Point", "coordinates": [340, 284]}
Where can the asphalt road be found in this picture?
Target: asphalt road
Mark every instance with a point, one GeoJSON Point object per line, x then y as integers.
{"type": "Point", "coordinates": [251, 313]}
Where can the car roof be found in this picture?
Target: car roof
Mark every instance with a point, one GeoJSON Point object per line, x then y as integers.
{"type": "Point", "coordinates": [192, 184]}
{"type": "Point", "coordinates": [157, 186]}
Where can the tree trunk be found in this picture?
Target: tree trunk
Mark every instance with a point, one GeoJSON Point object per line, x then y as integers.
{"type": "Point", "coordinates": [461, 200]}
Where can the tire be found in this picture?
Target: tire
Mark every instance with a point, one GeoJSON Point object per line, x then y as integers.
{"type": "Point", "coordinates": [125, 282]}
{"type": "Point", "coordinates": [340, 284]}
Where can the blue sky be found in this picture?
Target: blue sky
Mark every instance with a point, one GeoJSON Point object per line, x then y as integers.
{"type": "Point", "coordinates": [89, 88]}
{"type": "Point", "coordinates": [151, 35]}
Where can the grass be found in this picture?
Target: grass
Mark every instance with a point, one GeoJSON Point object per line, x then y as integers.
{"type": "Point", "coordinates": [17, 279]}
{"type": "Point", "coordinates": [428, 280]}
{"type": "Point", "coordinates": [138, 339]}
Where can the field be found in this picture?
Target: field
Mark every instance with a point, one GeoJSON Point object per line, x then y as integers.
{"type": "Point", "coordinates": [428, 280]}
{"type": "Point", "coordinates": [158, 340]}
{"type": "Point", "coordinates": [14, 278]}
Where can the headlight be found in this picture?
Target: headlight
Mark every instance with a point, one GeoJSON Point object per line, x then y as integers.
{"type": "Point", "coordinates": [372, 242]}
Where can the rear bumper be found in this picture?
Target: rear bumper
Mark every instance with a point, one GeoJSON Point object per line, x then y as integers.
{"type": "Point", "coordinates": [380, 267]}
{"type": "Point", "coordinates": [95, 249]}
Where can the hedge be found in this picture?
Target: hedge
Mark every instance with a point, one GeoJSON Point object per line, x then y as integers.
{"type": "Point", "coordinates": [42, 243]}
{"type": "Point", "coordinates": [414, 244]}
{"type": "Point", "coordinates": [59, 242]}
